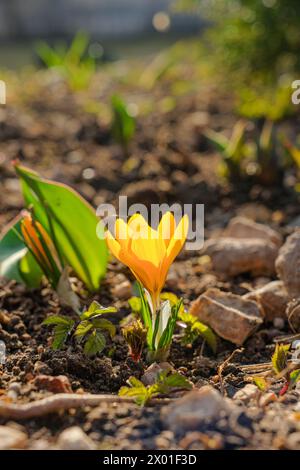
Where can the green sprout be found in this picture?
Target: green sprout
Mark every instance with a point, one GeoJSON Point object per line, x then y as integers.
{"type": "Point", "coordinates": [123, 123]}
{"type": "Point", "coordinates": [165, 384]}
{"type": "Point", "coordinates": [90, 329]}
{"type": "Point", "coordinates": [73, 62]}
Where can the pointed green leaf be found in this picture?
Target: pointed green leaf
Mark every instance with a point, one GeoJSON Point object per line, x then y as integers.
{"type": "Point", "coordinates": [94, 344]}
{"type": "Point", "coordinates": [72, 223]}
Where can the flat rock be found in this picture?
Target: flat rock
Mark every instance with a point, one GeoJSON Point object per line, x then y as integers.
{"type": "Point", "coordinates": [74, 438]}
{"type": "Point", "coordinates": [242, 227]}
{"type": "Point", "coordinates": [230, 316]}
{"type": "Point", "coordinates": [272, 299]}
{"type": "Point", "coordinates": [288, 264]}
{"type": "Point", "coordinates": [54, 384]}
{"type": "Point", "coordinates": [11, 438]}
{"type": "Point", "coordinates": [233, 256]}
{"type": "Point", "coordinates": [195, 408]}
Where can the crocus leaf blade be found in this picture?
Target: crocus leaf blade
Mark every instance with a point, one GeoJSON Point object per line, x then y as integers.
{"type": "Point", "coordinates": [16, 262]}
{"type": "Point", "coordinates": [71, 222]}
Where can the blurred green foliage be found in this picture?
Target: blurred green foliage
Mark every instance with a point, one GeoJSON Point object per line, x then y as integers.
{"type": "Point", "coordinates": [123, 123]}
{"type": "Point", "coordinates": [73, 61]}
{"type": "Point", "coordinates": [255, 47]}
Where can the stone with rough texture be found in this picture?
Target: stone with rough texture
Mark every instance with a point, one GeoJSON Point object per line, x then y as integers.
{"type": "Point", "coordinates": [11, 438]}
{"type": "Point", "coordinates": [195, 408]}
{"type": "Point", "coordinates": [293, 314]}
{"type": "Point", "coordinates": [246, 393]}
{"type": "Point", "coordinates": [233, 256]}
{"type": "Point", "coordinates": [57, 384]}
{"type": "Point", "coordinates": [242, 227]}
{"type": "Point", "coordinates": [230, 316]}
{"type": "Point", "coordinates": [288, 264]}
{"type": "Point", "coordinates": [74, 439]}
{"type": "Point", "coordinates": [272, 299]}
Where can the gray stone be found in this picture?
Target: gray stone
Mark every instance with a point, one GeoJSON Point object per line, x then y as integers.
{"type": "Point", "coordinates": [74, 438]}
{"type": "Point", "coordinates": [196, 407]}
{"type": "Point", "coordinates": [11, 438]}
{"type": "Point", "coordinates": [232, 317]}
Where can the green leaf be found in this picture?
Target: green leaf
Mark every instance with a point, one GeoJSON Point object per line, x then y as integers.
{"type": "Point", "coordinates": [103, 324]}
{"type": "Point", "coordinates": [16, 262]}
{"type": "Point", "coordinates": [177, 380]}
{"type": "Point", "coordinates": [279, 358]}
{"type": "Point", "coordinates": [83, 328]}
{"type": "Point", "coordinates": [165, 383]}
{"type": "Point", "coordinates": [123, 126]}
{"type": "Point", "coordinates": [294, 377]}
{"type": "Point", "coordinates": [145, 314]}
{"type": "Point", "coordinates": [58, 320]}
{"type": "Point", "coordinates": [261, 383]}
{"type": "Point", "coordinates": [72, 224]}
{"type": "Point", "coordinates": [207, 333]}
{"type": "Point", "coordinates": [95, 343]}
{"type": "Point", "coordinates": [195, 328]}
{"type": "Point", "coordinates": [135, 304]}
{"type": "Point", "coordinates": [95, 309]}
{"type": "Point", "coordinates": [60, 336]}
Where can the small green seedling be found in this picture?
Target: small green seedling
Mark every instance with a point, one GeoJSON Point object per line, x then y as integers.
{"type": "Point", "coordinates": [123, 124]}
{"type": "Point", "coordinates": [165, 384]}
{"type": "Point", "coordinates": [280, 369]}
{"type": "Point", "coordinates": [73, 62]}
{"type": "Point", "coordinates": [193, 328]}
{"type": "Point", "coordinates": [233, 150]}
{"type": "Point", "coordinates": [89, 330]}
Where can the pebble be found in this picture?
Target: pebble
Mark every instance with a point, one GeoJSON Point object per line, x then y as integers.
{"type": "Point", "coordinates": [11, 438]}
{"type": "Point", "coordinates": [246, 393]}
{"type": "Point", "coordinates": [195, 408]}
{"type": "Point", "coordinates": [74, 438]}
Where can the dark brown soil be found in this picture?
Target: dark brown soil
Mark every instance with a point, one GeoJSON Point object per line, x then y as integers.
{"type": "Point", "coordinates": [170, 161]}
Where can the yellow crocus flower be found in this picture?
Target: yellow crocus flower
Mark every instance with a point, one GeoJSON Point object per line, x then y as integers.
{"type": "Point", "coordinates": [147, 252]}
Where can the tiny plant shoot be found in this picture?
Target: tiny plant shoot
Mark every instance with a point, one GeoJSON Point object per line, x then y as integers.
{"type": "Point", "coordinates": [89, 329]}
{"type": "Point", "coordinates": [123, 124]}
{"type": "Point", "coordinates": [165, 384]}
{"type": "Point", "coordinates": [74, 63]}
{"type": "Point", "coordinates": [149, 254]}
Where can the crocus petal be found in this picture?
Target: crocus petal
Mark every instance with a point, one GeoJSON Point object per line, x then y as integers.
{"type": "Point", "coordinates": [166, 227]}
{"type": "Point", "coordinates": [175, 245]}
{"type": "Point", "coordinates": [113, 245]}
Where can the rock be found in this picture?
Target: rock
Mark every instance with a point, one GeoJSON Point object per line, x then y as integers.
{"type": "Point", "coordinates": [272, 298]}
{"type": "Point", "coordinates": [58, 384]}
{"type": "Point", "coordinates": [232, 256]}
{"type": "Point", "coordinates": [241, 227]}
{"type": "Point", "coordinates": [11, 438]}
{"type": "Point", "coordinates": [293, 441]}
{"type": "Point", "coordinates": [123, 291]}
{"type": "Point", "coordinates": [151, 373]}
{"type": "Point", "coordinates": [74, 438]}
{"type": "Point", "coordinates": [195, 408]}
{"type": "Point", "coordinates": [246, 393]}
{"type": "Point", "coordinates": [288, 264]}
{"type": "Point", "coordinates": [293, 314]}
{"type": "Point", "coordinates": [230, 316]}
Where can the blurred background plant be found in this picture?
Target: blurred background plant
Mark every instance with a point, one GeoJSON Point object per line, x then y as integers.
{"type": "Point", "coordinates": [75, 62]}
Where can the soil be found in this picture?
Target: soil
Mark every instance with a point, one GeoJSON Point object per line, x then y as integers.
{"type": "Point", "coordinates": [170, 161]}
